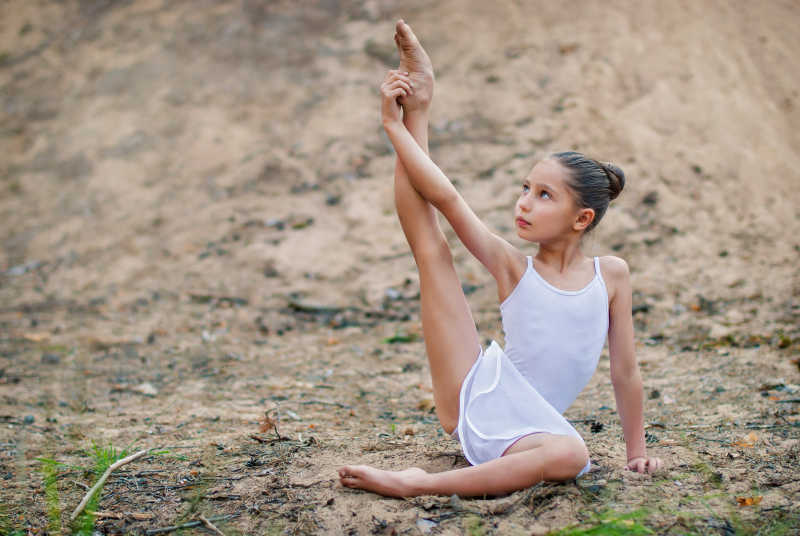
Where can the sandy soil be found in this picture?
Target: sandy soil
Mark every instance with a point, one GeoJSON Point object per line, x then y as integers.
{"type": "Point", "coordinates": [197, 227]}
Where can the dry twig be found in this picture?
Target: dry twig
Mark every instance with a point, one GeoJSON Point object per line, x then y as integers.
{"type": "Point", "coordinates": [210, 525]}
{"type": "Point", "coordinates": [102, 480]}
{"type": "Point", "coordinates": [188, 525]}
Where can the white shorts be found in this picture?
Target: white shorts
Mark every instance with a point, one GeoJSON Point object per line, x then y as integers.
{"type": "Point", "coordinates": [498, 406]}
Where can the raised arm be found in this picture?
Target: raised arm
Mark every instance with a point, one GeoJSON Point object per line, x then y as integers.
{"type": "Point", "coordinates": [497, 255]}
{"type": "Point", "coordinates": [625, 375]}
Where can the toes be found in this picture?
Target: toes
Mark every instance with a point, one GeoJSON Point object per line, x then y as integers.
{"type": "Point", "coordinates": [352, 471]}
{"type": "Point", "coordinates": [404, 31]}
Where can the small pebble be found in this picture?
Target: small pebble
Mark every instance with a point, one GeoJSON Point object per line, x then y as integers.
{"type": "Point", "coordinates": [455, 502]}
{"type": "Point", "coordinates": [29, 419]}
{"type": "Point", "coordinates": [51, 359]}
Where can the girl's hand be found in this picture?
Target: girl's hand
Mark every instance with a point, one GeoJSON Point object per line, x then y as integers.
{"type": "Point", "coordinates": [396, 85]}
{"type": "Point", "coordinates": [642, 464]}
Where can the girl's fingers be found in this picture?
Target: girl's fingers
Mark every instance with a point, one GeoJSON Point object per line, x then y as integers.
{"type": "Point", "coordinates": [645, 465]}
{"type": "Point", "coordinates": [397, 75]}
{"type": "Point", "coordinates": [393, 93]}
{"type": "Point", "coordinates": [391, 89]}
{"type": "Point", "coordinates": [402, 84]}
{"type": "Point", "coordinates": [656, 464]}
{"type": "Point", "coordinates": [638, 465]}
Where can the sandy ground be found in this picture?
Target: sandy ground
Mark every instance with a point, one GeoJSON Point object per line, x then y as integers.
{"type": "Point", "coordinates": [197, 227]}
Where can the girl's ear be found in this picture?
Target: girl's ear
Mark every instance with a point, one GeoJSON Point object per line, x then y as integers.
{"type": "Point", "coordinates": [584, 219]}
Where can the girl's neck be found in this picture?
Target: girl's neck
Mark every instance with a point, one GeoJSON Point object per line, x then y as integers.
{"type": "Point", "coordinates": [561, 256]}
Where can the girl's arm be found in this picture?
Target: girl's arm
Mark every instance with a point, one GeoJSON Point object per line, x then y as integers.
{"type": "Point", "coordinates": [497, 255]}
{"type": "Point", "coordinates": [625, 375]}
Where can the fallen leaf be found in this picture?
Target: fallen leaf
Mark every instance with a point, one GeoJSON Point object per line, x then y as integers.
{"type": "Point", "coordinates": [426, 404]}
{"type": "Point", "coordinates": [266, 423]}
{"type": "Point", "coordinates": [106, 515]}
{"type": "Point", "coordinates": [141, 516]}
{"type": "Point", "coordinates": [36, 337]}
{"type": "Point", "coordinates": [749, 501]}
{"type": "Point", "coordinates": [146, 389]}
{"type": "Point", "coordinates": [567, 48]}
{"type": "Point", "coordinates": [747, 441]}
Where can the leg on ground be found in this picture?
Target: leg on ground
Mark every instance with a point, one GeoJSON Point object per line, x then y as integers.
{"type": "Point", "coordinates": [548, 457]}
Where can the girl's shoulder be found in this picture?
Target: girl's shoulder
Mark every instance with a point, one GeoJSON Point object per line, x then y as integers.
{"type": "Point", "coordinates": [614, 266]}
{"type": "Point", "coordinates": [616, 274]}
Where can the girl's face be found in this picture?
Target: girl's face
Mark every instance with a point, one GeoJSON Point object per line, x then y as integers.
{"type": "Point", "coordinates": [546, 208]}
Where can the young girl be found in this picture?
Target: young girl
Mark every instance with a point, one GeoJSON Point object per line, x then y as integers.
{"type": "Point", "coordinates": [505, 406]}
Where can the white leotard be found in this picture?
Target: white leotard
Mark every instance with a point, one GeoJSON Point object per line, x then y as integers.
{"type": "Point", "coordinates": [553, 342]}
{"type": "Point", "coordinates": [554, 337]}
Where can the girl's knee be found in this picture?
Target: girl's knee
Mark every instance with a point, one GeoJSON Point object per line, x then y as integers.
{"type": "Point", "coordinates": [574, 456]}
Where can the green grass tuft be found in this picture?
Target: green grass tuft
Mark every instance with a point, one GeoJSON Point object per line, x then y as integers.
{"type": "Point", "coordinates": [474, 526]}
{"type": "Point", "coordinates": [102, 458]}
{"type": "Point", "coordinates": [49, 470]}
{"type": "Point", "coordinates": [608, 523]}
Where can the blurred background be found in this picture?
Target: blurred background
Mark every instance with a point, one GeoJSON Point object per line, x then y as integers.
{"type": "Point", "coordinates": [165, 146]}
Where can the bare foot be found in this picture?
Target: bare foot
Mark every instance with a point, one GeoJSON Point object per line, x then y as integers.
{"type": "Point", "coordinates": [406, 483]}
{"type": "Point", "coordinates": [415, 61]}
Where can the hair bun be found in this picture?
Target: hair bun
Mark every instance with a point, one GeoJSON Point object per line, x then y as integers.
{"type": "Point", "coordinates": [616, 178]}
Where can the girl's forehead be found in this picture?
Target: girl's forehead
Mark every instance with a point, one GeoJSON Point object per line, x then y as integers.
{"type": "Point", "coordinates": [548, 171]}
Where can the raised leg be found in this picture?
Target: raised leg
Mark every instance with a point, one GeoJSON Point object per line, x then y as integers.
{"type": "Point", "coordinates": [451, 340]}
{"type": "Point", "coordinates": [541, 457]}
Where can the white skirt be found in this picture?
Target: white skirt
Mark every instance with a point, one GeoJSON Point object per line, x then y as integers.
{"type": "Point", "coordinates": [498, 406]}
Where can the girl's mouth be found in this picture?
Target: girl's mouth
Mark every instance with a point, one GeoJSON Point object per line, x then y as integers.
{"type": "Point", "coordinates": [522, 223]}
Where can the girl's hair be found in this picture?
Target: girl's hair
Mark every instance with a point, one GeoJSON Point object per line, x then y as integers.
{"type": "Point", "coordinates": [594, 183]}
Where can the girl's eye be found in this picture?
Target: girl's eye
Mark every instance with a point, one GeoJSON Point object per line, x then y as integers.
{"type": "Point", "coordinates": [544, 193]}
{"type": "Point", "coordinates": [525, 188]}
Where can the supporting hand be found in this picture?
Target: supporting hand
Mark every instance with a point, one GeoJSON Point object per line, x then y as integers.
{"type": "Point", "coordinates": [642, 464]}
{"type": "Point", "coordinates": [396, 85]}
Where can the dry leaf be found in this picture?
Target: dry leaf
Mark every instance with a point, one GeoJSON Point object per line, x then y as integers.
{"type": "Point", "coordinates": [567, 48]}
{"type": "Point", "coordinates": [106, 515]}
{"type": "Point", "coordinates": [146, 389]}
{"type": "Point", "coordinates": [747, 441]}
{"type": "Point", "coordinates": [266, 423]}
{"type": "Point", "coordinates": [141, 516]}
{"type": "Point", "coordinates": [36, 337]}
{"type": "Point", "coordinates": [749, 501]}
{"type": "Point", "coordinates": [426, 404]}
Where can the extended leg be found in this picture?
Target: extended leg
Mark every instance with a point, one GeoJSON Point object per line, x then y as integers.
{"type": "Point", "coordinates": [451, 340]}
{"type": "Point", "coordinates": [547, 457]}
